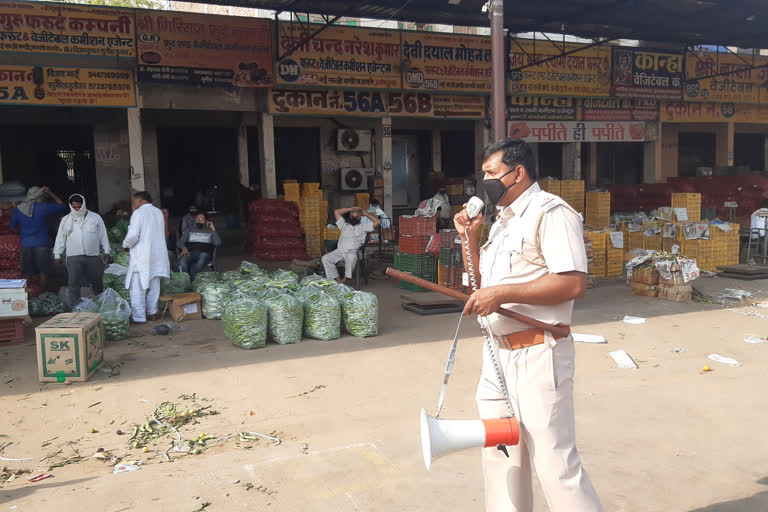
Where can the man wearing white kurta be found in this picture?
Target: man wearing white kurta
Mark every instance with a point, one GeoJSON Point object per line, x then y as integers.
{"type": "Point", "coordinates": [149, 257]}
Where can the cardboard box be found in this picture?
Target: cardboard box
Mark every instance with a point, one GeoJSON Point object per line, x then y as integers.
{"type": "Point", "coordinates": [13, 302]}
{"type": "Point", "coordinates": [184, 306]}
{"type": "Point", "coordinates": [69, 346]}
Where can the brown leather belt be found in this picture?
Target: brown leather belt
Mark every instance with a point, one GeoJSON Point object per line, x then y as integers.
{"type": "Point", "coordinates": [525, 339]}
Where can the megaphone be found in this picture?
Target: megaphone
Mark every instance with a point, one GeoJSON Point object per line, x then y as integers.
{"type": "Point", "coordinates": [441, 437]}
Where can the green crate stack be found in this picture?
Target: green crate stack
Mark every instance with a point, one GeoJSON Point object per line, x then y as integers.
{"type": "Point", "coordinates": [423, 266]}
{"type": "Point", "coordinates": [451, 258]}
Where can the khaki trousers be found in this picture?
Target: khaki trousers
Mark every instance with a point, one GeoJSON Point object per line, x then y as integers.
{"type": "Point", "coordinates": [540, 382]}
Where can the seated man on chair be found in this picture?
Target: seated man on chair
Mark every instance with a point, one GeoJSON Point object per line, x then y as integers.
{"type": "Point", "coordinates": [351, 239]}
{"type": "Point", "coordinates": [197, 246]}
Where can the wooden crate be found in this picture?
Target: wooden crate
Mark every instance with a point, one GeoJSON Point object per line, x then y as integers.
{"type": "Point", "coordinates": [572, 191]}
{"type": "Point", "coordinates": [691, 202]}
{"type": "Point", "coordinates": [598, 209]}
{"type": "Point", "coordinates": [551, 186]}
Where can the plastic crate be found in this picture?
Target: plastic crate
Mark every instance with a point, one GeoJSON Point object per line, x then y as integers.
{"type": "Point", "coordinates": [11, 331]}
{"type": "Point", "coordinates": [417, 226]}
{"type": "Point", "coordinates": [405, 285]}
{"type": "Point", "coordinates": [448, 238]}
{"type": "Point", "coordinates": [451, 257]}
{"type": "Point", "coordinates": [415, 263]}
{"type": "Point", "coordinates": [410, 244]}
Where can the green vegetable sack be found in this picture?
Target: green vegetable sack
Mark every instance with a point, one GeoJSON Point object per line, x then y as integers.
{"type": "Point", "coordinates": [340, 292]}
{"type": "Point", "coordinates": [86, 306]}
{"type": "Point", "coordinates": [244, 320]}
{"type": "Point", "coordinates": [123, 258]}
{"type": "Point", "coordinates": [213, 295]}
{"type": "Point", "coordinates": [117, 233]}
{"type": "Point", "coordinates": [115, 315]}
{"type": "Point", "coordinates": [286, 319]}
{"type": "Point", "coordinates": [249, 268]}
{"type": "Point", "coordinates": [322, 316]}
{"type": "Point", "coordinates": [285, 275]}
{"type": "Point", "coordinates": [360, 312]}
{"type": "Point", "coordinates": [179, 282]}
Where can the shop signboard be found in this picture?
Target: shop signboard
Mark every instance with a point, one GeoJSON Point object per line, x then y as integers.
{"type": "Point", "coordinates": [724, 77]}
{"type": "Point", "coordinates": [619, 109]}
{"type": "Point", "coordinates": [578, 131]}
{"type": "Point", "coordinates": [586, 72]}
{"type": "Point", "coordinates": [333, 103]}
{"type": "Point", "coordinates": [67, 30]}
{"type": "Point", "coordinates": [196, 49]}
{"type": "Point", "coordinates": [447, 62]}
{"type": "Point", "coordinates": [338, 57]}
{"type": "Point", "coordinates": [542, 108]}
{"type": "Point", "coordinates": [689, 112]}
{"type": "Point", "coordinates": [62, 86]}
{"type": "Point", "coordinates": [647, 74]}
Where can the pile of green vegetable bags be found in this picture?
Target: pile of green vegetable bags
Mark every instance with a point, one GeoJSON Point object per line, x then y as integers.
{"type": "Point", "coordinates": [114, 310]}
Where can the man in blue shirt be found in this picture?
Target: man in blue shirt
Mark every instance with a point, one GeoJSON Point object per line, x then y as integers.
{"type": "Point", "coordinates": [31, 217]}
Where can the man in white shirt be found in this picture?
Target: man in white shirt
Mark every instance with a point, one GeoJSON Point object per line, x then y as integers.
{"type": "Point", "coordinates": [351, 239]}
{"type": "Point", "coordinates": [82, 234]}
{"type": "Point", "coordinates": [149, 257]}
{"type": "Point", "coordinates": [443, 206]}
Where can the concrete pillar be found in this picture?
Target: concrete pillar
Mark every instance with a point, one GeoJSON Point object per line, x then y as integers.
{"type": "Point", "coordinates": [135, 148]}
{"type": "Point", "coordinates": [437, 156]}
{"type": "Point", "coordinates": [482, 138]}
{"type": "Point", "coordinates": [652, 171]}
{"type": "Point", "coordinates": [593, 163]}
{"type": "Point", "coordinates": [725, 136]}
{"type": "Point", "coordinates": [267, 156]}
{"type": "Point", "coordinates": [572, 161]}
{"type": "Point", "coordinates": [151, 161]}
{"type": "Point", "coordinates": [242, 154]}
{"type": "Point", "coordinates": [765, 156]}
{"type": "Point", "coordinates": [383, 147]}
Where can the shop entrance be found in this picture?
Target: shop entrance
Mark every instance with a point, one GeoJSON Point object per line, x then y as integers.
{"type": "Point", "coordinates": [198, 165]}
{"type": "Point", "coordinates": [297, 155]}
{"type": "Point", "coordinates": [457, 153]}
{"type": "Point", "coordinates": [749, 151]}
{"type": "Point", "coordinates": [550, 160]}
{"type": "Point", "coordinates": [60, 157]}
{"type": "Point", "coordinates": [695, 150]}
{"type": "Point", "coordinates": [619, 163]}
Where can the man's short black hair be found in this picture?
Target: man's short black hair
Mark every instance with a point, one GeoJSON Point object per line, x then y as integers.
{"type": "Point", "coordinates": [199, 213]}
{"type": "Point", "coordinates": [76, 198]}
{"type": "Point", "coordinates": [374, 202]}
{"type": "Point", "coordinates": [514, 152]}
{"type": "Point", "coordinates": [144, 196]}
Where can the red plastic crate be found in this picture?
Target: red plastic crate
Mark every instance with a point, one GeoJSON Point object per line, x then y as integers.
{"type": "Point", "coordinates": [448, 238]}
{"type": "Point", "coordinates": [11, 331]}
{"type": "Point", "coordinates": [414, 244]}
{"type": "Point", "coordinates": [418, 226]}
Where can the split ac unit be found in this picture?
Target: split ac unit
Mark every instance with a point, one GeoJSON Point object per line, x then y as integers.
{"type": "Point", "coordinates": [354, 178]}
{"type": "Point", "coordinates": [354, 140]}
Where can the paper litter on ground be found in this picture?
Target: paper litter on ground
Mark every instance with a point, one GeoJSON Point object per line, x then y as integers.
{"type": "Point", "coordinates": [753, 339]}
{"type": "Point", "coordinates": [734, 294]}
{"type": "Point", "coordinates": [633, 320]}
{"type": "Point", "coordinates": [746, 313]}
{"type": "Point", "coordinates": [678, 349]}
{"type": "Point", "coordinates": [588, 338]}
{"type": "Point", "coordinates": [725, 360]}
{"type": "Point", "coordinates": [623, 360]}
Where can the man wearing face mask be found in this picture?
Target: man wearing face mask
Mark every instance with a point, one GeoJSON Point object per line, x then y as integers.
{"type": "Point", "coordinates": [81, 236]}
{"type": "Point", "coordinates": [351, 239]}
{"type": "Point", "coordinates": [534, 263]}
{"type": "Point", "coordinates": [197, 246]}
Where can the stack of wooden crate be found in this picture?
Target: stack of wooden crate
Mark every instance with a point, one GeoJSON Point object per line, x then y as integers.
{"type": "Point", "coordinates": [600, 242]}
{"type": "Point", "coordinates": [598, 213]}
{"type": "Point", "coordinates": [572, 191]}
{"type": "Point", "coordinates": [692, 204]}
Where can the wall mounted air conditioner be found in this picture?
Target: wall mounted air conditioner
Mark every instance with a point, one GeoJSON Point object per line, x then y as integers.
{"type": "Point", "coordinates": [354, 178]}
{"type": "Point", "coordinates": [354, 140]}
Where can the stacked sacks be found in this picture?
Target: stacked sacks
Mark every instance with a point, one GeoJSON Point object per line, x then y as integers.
{"type": "Point", "coordinates": [274, 233]}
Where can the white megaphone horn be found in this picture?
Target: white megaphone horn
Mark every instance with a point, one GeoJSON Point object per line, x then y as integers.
{"type": "Point", "coordinates": [441, 437]}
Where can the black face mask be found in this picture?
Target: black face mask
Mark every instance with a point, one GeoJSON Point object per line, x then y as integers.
{"type": "Point", "coordinates": [200, 224]}
{"type": "Point", "coordinates": [495, 188]}
{"type": "Point", "coordinates": [353, 221]}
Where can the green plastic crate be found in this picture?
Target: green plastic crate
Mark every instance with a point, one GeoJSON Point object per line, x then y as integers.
{"type": "Point", "coordinates": [451, 257]}
{"type": "Point", "coordinates": [416, 264]}
{"type": "Point", "coordinates": [432, 278]}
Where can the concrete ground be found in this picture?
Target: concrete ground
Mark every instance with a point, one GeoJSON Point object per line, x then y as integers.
{"type": "Point", "coordinates": [665, 437]}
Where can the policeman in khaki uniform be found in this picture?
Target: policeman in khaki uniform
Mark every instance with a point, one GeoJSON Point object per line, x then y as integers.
{"type": "Point", "coordinates": [534, 263]}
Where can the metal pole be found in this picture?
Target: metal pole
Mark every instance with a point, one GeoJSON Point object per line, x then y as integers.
{"type": "Point", "coordinates": [498, 89]}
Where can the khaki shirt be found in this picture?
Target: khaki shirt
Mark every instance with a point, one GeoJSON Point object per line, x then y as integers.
{"type": "Point", "coordinates": [511, 257]}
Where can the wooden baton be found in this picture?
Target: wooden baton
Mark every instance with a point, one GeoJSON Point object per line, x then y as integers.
{"type": "Point", "coordinates": [557, 331]}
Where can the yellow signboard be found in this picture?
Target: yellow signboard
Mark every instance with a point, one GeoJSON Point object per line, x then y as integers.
{"type": "Point", "coordinates": [333, 103]}
{"type": "Point", "coordinates": [713, 113]}
{"type": "Point", "coordinates": [66, 29]}
{"type": "Point", "coordinates": [342, 57]}
{"type": "Point", "coordinates": [585, 73]}
{"type": "Point", "coordinates": [725, 77]}
{"type": "Point", "coordinates": [89, 87]}
{"type": "Point", "coordinates": [447, 62]}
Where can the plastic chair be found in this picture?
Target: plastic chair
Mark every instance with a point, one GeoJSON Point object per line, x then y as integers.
{"type": "Point", "coordinates": [361, 269]}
